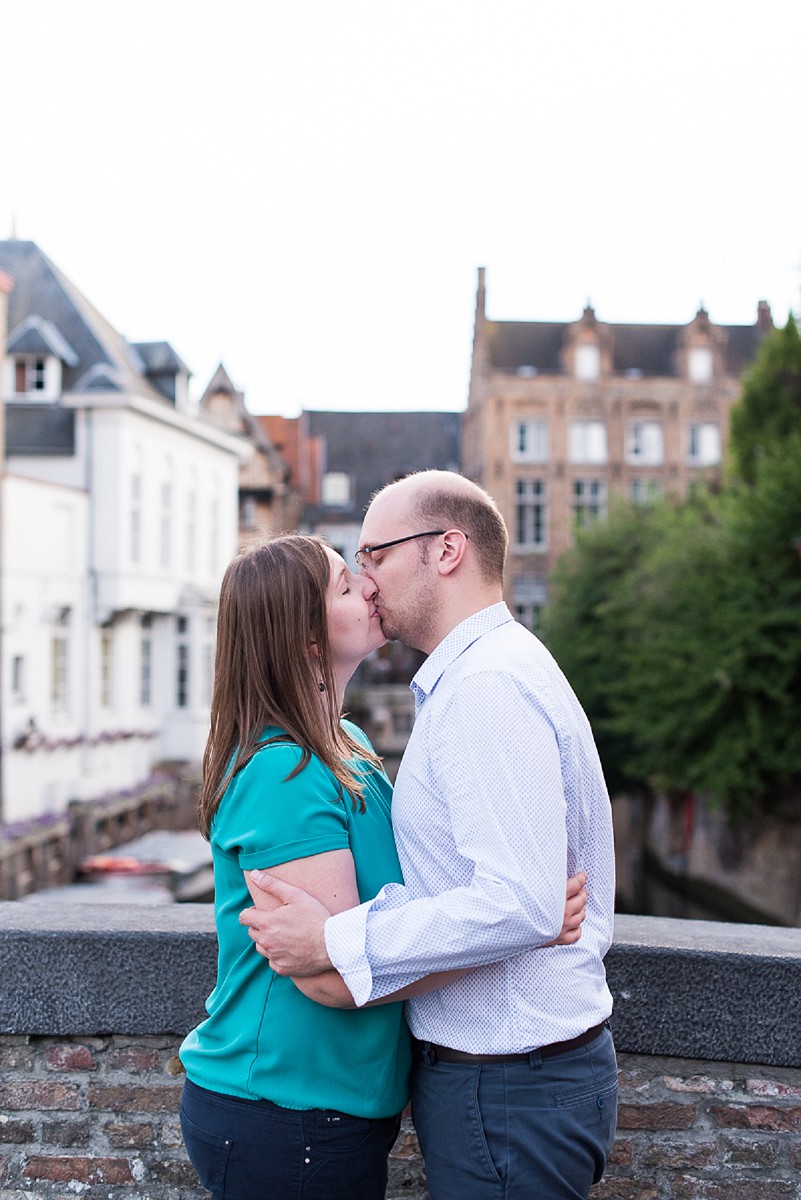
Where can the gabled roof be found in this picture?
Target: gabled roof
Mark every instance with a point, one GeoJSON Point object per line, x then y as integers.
{"type": "Point", "coordinates": [375, 448]}
{"type": "Point", "coordinates": [40, 337]}
{"type": "Point", "coordinates": [41, 291]}
{"type": "Point", "coordinates": [514, 346]}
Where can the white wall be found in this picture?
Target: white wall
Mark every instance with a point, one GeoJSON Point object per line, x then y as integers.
{"type": "Point", "coordinates": [68, 550]}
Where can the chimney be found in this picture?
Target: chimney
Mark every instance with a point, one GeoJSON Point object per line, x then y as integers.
{"type": "Point", "coordinates": [764, 321]}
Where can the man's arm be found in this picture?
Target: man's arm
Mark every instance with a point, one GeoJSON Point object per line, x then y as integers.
{"type": "Point", "coordinates": [288, 927]}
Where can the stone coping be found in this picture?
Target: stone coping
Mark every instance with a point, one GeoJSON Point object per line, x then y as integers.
{"type": "Point", "coordinates": [684, 989]}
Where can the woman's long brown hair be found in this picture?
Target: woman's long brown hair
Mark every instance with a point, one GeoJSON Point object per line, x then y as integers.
{"type": "Point", "coordinates": [272, 607]}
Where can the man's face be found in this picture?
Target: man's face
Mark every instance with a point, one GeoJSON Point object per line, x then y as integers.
{"type": "Point", "coordinates": [405, 582]}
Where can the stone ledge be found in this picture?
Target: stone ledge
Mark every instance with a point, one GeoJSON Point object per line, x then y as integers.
{"type": "Point", "coordinates": [683, 989]}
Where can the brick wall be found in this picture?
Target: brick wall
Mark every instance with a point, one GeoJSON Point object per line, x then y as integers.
{"type": "Point", "coordinates": [710, 1101]}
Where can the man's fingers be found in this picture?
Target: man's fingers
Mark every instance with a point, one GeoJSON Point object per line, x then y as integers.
{"type": "Point", "coordinates": [275, 887]}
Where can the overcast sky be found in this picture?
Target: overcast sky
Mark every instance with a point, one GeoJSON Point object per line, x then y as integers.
{"type": "Point", "coordinates": [305, 189]}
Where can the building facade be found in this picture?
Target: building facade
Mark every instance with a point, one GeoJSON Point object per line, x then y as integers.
{"type": "Point", "coordinates": [269, 496]}
{"type": "Point", "coordinates": [119, 516]}
{"type": "Point", "coordinates": [561, 417]}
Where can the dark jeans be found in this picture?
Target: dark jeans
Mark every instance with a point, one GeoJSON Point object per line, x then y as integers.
{"type": "Point", "coordinates": [255, 1150]}
{"type": "Point", "coordinates": [535, 1130]}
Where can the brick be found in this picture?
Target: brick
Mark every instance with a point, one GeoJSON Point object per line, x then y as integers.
{"type": "Point", "coordinates": [79, 1170]}
{"type": "Point", "coordinates": [39, 1094]}
{"type": "Point", "coordinates": [406, 1147]}
{"type": "Point", "coordinates": [750, 1151]}
{"type": "Point", "coordinates": [655, 1116]}
{"type": "Point", "coordinates": [678, 1156]}
{"type": "Point", "coordinates": [135, 1099]}
{"type": "Point", "coordinates": [621, 1153]}
{"type": "Point", "coordinates": [690, 1188]}
{"type": "Point", "coordinates": [757, 1116]}
{"type": "Point", "coordinates": [175, 1066]}
{"type": "Point", "coordinates": [131, 1135]}
{"type": "Point", "coordinates": [173, 1172]}
{"type": "Point", "coordinates": [772, 1087]}
{"type": "Point", "coordinates": [703, 1084]}
{"type": "Point", "coordinates": [624, 1189]}
{"type": "Point", "coordinates": [69, 1058]}
{"type": "Point", "coordinates": [794, 1155]}
{"type": "Point", "coordinates": [169, 1135]}
{"type": "Point", "coordinates": [16, 1058]}
{"type": "Point", "coordinates": [66, 1133]}
{"type": "Point", "coordinates": [16, 1132]}
{"type": "Point", "coordinates": [133, 1059]}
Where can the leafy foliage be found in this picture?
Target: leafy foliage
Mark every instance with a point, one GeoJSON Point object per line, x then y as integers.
{"type": "Point", "coordinates": [679, 624]}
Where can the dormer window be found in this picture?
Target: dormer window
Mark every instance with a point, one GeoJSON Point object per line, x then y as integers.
{"type": "Point", "coordinates": [30, 375]}
{"type": "Point", "coordinates": [36, 352]}
{"type": "Point", "coordinates": [699, 364]}
{"type": "Point", "coordinates": [588, 362]}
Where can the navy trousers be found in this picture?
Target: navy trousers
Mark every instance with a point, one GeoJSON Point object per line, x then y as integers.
{"type": "Point", "coordinates": [256, 1150]}
{"type": "Point", "coordinates": [535, 1130]}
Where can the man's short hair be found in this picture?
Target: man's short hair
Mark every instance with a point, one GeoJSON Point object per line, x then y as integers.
{"type": "Point", "coordinates": [449, 501]}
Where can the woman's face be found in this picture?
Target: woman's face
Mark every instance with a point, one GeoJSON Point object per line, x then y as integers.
{"type": "Point", "coordinates": [354, 628]}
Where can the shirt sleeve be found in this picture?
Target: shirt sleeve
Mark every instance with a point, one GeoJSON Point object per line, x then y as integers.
{"type": "Point", "coordinates": [266, 818]}
{"type": "Point", "coordinates": [495, 760]}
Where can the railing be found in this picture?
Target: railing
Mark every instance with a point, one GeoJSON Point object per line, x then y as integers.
{"type": "Point", "coordinates": [47, 851]}
{"type": "Point", "coordinates": [94, 1002]}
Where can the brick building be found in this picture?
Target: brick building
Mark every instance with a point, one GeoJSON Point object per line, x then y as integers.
{"type": "Point", "coordinates": [561, 416]}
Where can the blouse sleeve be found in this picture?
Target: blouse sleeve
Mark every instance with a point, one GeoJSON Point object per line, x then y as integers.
{"type": "Point", "coordinates": [266, 819]}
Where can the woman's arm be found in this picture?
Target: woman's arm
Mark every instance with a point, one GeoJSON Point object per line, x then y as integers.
{"type": "Point", "coordinates": [331, 879]}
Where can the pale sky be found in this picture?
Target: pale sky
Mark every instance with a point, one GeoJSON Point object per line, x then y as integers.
{"type": "Point", "coordinates": [305, 189]}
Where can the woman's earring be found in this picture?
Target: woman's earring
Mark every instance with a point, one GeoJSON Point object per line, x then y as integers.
{"type": "Point", "coordinates": [321, 686]}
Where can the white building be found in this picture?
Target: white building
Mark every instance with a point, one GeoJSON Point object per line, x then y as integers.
{"type": "Point", "coordinates": [120, 514]}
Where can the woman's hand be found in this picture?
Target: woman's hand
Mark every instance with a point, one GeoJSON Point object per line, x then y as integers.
{"type": "Point", "coordinates": [575, 911]}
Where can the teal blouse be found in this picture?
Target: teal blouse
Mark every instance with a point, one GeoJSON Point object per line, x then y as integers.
{"type": "Point", "coordinates": [263, 1039]}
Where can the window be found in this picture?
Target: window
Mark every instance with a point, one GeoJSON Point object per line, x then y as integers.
{"type": "Point", "coordinates": [30, 375]}
{"type": "Point", "coordinates": [182, 663]}
{"type": "Point", "coordinates": [191, 531]}
{"type": "Point", "coordinates": [588, 362]}
{"type": "Point", "coordinates": [18, 677]}
{"type": "Point", "coordinates": [528, 441]}
{"type": "Point", "coordinates": [58, 673]}
{"type": "Point", "coordinates": [146, 663]}
{"type": "Point", "coordinates": [165, 528]}
{"type": "Point", "coordinates": [703, 444]}
{"type": "Point", "coordinates": [249, 512]}
{"type": "Point", "coordinates": [644, 443]}
{"type": "Point", "coordinates": [214, 535]}
{"type": "Point", "coordinates": [105, 670]}
{"type": "Point", "coordinates": [587, 442]}
{"type": "Point", "coordinates": [136, 518]}
{"type": "Point", "coordinates": [530, 515]}
{"type": "Point", "coordinates": [645, 490]}
{"type": "Point", "coordinates": [529, 597]}
{"type": "Point", "coordinates": [699, 364]}
{"type": "Point", "coordinates": [336, 488]}
{"type": "Point", "coordinates": [589, 501]}
{"type": "Point", "coordinates": [208, 658]}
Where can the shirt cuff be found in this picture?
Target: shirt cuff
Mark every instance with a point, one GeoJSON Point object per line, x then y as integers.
{"type": "Point", "coordinates": [345, 940]}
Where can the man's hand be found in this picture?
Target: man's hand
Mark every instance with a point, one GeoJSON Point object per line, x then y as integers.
{"type": "Point", "coordinates": [292, 935]}
{"type": "Point", "coordinates": [575, 911]}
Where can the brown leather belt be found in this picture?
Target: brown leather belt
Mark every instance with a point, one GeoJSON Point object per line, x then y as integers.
{"type": "Point", "coordinates": [430, 1052]}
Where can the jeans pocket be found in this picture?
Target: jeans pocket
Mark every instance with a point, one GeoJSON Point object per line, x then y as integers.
{"type": "Point", "coordinates": [208, 1153]}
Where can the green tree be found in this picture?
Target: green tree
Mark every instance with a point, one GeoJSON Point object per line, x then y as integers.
{"type": "Point", "coordinates": [769, 409]}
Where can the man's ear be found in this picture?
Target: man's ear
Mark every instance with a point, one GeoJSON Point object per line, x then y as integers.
{"type": "Point", "coordinates": [454, 548]}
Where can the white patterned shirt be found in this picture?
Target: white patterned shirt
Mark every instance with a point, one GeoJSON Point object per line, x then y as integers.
{"type": "Point", "coordinates": [499, 798]}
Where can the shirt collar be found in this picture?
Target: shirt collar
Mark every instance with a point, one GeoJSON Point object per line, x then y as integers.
{"type": "Point", "coordinates": [456, 642]}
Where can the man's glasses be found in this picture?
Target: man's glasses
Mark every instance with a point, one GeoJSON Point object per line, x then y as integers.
{"type": "Point", "coordinates": [362, 555]}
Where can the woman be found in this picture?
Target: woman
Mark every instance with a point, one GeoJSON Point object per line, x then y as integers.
{"type": "Point", "coordinates": [284, 1096]}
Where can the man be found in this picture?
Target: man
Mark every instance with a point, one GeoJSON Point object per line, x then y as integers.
{"type": "Point", "coordinates": [500, 796]}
